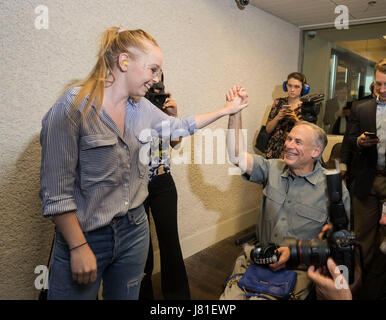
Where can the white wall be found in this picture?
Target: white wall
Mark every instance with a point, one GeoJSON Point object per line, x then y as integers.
{"type": "Point", "coordinates": [316, 67]}
{"type": "Point", "coordinates": [208, 46]}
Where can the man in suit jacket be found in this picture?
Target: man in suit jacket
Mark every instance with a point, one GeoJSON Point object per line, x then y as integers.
{"type": "Point", "coordinates": [369, 187]}
{"type": "Point", "coordinates": [348, 156]}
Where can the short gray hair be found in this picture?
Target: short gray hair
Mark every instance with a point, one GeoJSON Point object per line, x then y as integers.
{"type": "Point", "coordinates": [320, 137]}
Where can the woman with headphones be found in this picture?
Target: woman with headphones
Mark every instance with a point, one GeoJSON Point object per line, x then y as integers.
{"type": "Point", "coordinates": [285, 112]}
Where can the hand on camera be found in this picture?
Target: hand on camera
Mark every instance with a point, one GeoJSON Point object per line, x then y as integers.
{"type": "Point", "coordinates": [284, 257]}
{"type": "Point", "coordinates": [170, 106]}
{"type": "Point", "coordinates": [326, 287]}
{"type": "Point", "coordinates": [325, 228]}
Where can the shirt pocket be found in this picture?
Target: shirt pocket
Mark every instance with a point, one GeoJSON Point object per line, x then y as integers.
{"type": "Point", "coordinates": [273, 201]}
{"type": "Point", "coordinates": [143, 140]}
{"type": "Point", "coordinates": [308, 220]}
{"type": "Point", "coordinates": [98, 161]}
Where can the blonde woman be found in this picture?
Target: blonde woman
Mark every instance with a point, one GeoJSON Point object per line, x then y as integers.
{"type": "Point", "coordinates": [93, 180]}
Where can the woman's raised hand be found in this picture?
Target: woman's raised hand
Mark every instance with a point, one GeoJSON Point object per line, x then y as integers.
{"type": "Point", "coordinates": [237, 99]}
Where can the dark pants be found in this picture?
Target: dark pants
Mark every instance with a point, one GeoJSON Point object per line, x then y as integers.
{"type": "Point", "coordinates": [162, 201]}
{"type": "Point", "coordinates": [367, 213]}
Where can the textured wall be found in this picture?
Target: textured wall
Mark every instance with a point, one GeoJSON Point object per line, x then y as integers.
{"type": "Point", "coordinates": [208, 46]}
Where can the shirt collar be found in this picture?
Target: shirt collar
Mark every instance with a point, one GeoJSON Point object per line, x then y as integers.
{"type": "Point", "coordinates": [312, 177]}
{"type": "Point", "coordinates": [381, 104]}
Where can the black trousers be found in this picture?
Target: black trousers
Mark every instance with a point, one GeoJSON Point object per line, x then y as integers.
{"type": "Point", "coordinates": [162, 201]}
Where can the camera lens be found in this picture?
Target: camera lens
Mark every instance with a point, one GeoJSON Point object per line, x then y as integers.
{"type": "Point", "coordinates": [313, 252]}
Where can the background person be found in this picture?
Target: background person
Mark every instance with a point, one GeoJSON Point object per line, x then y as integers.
{"type": "Point", "coordinates": [337, 111]}
{"type": "Point", "coordinates": [285, 112]}
{"type": "Point", "coordinates": [162, 203]}
{"type": "Point", "coordinates": [369, 185]}
{"type": "Point", "coordinates": [93, 172]}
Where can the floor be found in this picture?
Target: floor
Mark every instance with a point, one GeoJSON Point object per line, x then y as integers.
{"type": "Point", "coordinates": [208, 269]}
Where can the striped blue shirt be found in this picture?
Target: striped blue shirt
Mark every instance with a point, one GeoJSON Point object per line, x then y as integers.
{"type": "Point", "coordinates": [89, 167]}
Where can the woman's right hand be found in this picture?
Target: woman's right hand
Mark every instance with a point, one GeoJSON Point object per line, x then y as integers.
{"type": "Point", "coordinates": [237, 99]}
{"type": "Point", "coordinates": [283, 113]}
{"type": "Point", "coordinates": [83, 265]}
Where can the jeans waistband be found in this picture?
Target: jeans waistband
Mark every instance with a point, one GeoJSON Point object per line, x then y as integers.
{"type": "Point", "coordinates": [132, 213]}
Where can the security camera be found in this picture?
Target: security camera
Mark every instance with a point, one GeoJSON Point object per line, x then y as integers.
{"type": "Point", "coordinates": [311, 34]}
{"type": "Point", "coordinates": [242, 3]}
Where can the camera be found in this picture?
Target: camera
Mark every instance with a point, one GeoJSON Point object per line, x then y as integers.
{"type": "Point", "coordinates": [339, 243]}
{"type": "Point", "coordinates": [156, 94]}
{"type": "Point", "coordinates": [265, 254]}
{"type": "Point", "coordinates": [244, 2]}
{"type": "Point", "coordinates": [315, 252]}
{"type": "Point", "coordinates": [311, 107]}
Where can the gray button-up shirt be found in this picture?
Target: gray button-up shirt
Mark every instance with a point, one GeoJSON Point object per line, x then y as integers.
{"type": "Point", "coordinates": [90, 167]}
{"type": "Point", "coordinates": [292, 206]}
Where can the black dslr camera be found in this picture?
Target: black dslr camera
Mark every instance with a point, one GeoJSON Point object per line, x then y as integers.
{"type": "Point", "coordinates": [311, 107]}
{"type": "Point", "coordinates": [156, 94]}
{"type": "Point", "coordinates": [338, 244]}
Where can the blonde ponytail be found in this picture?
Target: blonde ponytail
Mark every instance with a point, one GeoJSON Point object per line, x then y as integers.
{"type": "Point", "coordinates": [113, 43]}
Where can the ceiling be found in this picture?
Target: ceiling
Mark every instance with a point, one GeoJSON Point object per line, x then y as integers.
{"type": "Point", "coordinates": [313, 14]}
{"type": "Point", "coordinates": [371, 49]}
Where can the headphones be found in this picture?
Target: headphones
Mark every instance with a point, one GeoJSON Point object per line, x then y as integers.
{"type": "Point", "coordinates": [305, 86]}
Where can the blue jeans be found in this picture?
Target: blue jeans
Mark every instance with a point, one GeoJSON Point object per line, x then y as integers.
{"type": "Point", "coordinates": [120, 250]}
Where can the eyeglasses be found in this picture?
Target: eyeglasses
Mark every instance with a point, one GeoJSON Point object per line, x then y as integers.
{"type": "Point", "coordinates": [155, 70]}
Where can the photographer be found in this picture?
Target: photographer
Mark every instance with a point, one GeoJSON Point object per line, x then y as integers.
{"type": "Point", "coordinates": [162, 203]}
{"type": "Point", "coordinates": [337, 111]}
{"type": "Point", "coordinates": [295, 199]}
{"type": "Point", "coordinates": [366, 138]}
{"type": "Point", "coordinates": [326, 288]}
